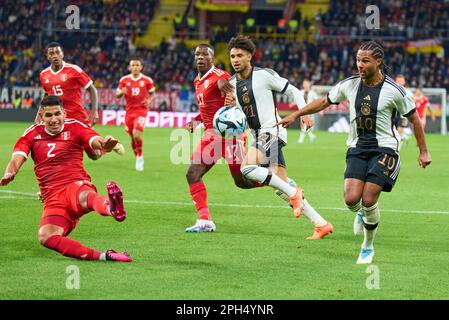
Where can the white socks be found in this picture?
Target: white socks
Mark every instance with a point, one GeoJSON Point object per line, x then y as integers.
{"type": "Point", "coordinates": [313, 215]}
{"type": "Point", "coordinates": [371, 218]}
{"type": "Point", "coordinates": [265, 176]}
{"type": "Point", "coordinates": [356, 207]}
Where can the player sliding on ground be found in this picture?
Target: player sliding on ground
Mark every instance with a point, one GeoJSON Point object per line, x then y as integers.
{"type": "Point", "coordinates": [56, 146]}
{"type": "Point", "coordinates": [264, 162]}
{"type": "Point", "coordinates": [372, 160]}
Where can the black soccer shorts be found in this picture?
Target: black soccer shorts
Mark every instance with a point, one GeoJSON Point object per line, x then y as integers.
{"type": "Point", "coordinates": [377, 165]}
{"type": "Point", "coordinates": [271, 146]}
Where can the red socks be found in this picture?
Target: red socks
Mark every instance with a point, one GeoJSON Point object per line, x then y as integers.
{"type": "Point", "coordinates": [199, 196]}
{"type": "Point", "coordinates": [71, 248]}
{"type": "Point", "coordinates": [98, 203]}
{"type": "Point", "coordinates": [139, 146]}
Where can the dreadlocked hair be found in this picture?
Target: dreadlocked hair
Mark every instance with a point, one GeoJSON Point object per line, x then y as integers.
{"type": "Point", "coordinates": [377, 51]}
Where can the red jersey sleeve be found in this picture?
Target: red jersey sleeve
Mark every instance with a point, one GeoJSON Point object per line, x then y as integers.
{"type": "Point", "coordinates": [86, 134]}
{"type": "Point", "coordinates": [82, 78]}
{"type": "Point", "coordinates": [23, 146]}
{"type": "Point", "coordinates": [150, 85]}
{"type": "Point", "coordinates": [121, 84]}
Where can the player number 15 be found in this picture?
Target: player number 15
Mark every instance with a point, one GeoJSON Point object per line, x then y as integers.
{"type": "Point", "coordinates": [57, 90]}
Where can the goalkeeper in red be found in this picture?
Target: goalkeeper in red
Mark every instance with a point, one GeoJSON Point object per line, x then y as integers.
{"type": "Point", "coordinates": [56, 146]}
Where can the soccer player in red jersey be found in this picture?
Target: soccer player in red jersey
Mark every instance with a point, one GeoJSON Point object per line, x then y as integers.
{"type": "Point", "coordinates": [66, 80]}
{"type": "Point", "coordinates": [422, 105]}
{"type": "Point", "coordinates": [211, 87]}
{"type": "Point", "coordinates": [56, 146]}
{"type": "Point", "coordinates": [139, 92]}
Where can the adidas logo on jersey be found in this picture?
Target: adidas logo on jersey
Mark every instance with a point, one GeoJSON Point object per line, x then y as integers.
{"type": "Point", "coordinates": [367, 98]}
{"type": "Point", "coordinates": [37, 137]}
{"type": "Point", "coordinates": [47, 81]}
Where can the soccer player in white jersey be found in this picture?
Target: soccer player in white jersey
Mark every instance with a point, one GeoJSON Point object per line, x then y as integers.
{"type": "Point", "coordinates": [264, 162]}
{"type": "Point", "coordinates": [309, 95]}
{"type": "Point", "coordinates": [372, 160]}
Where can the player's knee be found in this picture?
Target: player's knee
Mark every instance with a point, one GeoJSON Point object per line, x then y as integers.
{"type": "Point", "coordinates": [43, 236]}
{"type": "Point", "coordinates": [193, 175]}
{"type": "Point", "coordinates": [248, 169]}
{"type": "Point", "coordinates": [369, 201]}
{"type": "Point", "coordinates": [351, 199]}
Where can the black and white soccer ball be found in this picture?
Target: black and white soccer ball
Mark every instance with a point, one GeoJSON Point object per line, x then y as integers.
{"type": "Point", "coordinates": [229, 121]}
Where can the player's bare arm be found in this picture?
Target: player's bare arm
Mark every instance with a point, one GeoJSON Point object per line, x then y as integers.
{"type": "Point", "coordinates": [424, 158]}
{"type": "Point", "coordinates": [93, 115]}
{"type": "Point", "coordinates": [225, 86]}
{"type": "Point", "coordinates": [313, 107]}
{"type": "Point", "coordinates": [120, 92]}
{"type": "Point", "coordinates": [12, 168]}
{"type": "Point", "coordinates": [150, 99]}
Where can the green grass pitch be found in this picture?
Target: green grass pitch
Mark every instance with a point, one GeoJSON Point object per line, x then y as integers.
{"type": "Point", "coordinates": [259, 250]}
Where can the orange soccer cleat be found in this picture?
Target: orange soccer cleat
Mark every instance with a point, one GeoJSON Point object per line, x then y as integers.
{"type": "Point", "coordinates": [297, 202]}
{"type": "Point", "coordinates": [321, 232]}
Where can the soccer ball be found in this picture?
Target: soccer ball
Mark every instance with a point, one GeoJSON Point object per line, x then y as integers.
{"type": "Point", "coordinates": [229, 122]}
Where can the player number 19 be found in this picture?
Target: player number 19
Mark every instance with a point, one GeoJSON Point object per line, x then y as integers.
{"type": "Point", "coordinates": [135, 91]}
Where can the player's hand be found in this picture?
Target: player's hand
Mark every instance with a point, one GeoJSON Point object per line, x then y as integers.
{"type": "Point", "coordinates": [124, 90]}
{"type": "Point", "coordinates": [287, 121]}
{"type": "Point", "coordinates": [225, 86]}
{"type": "Point", "coordinates": [230, 100]}
{"type": "Point", "coordinates": [108, 144]}
{"type": "Point", "coordinates": [191, 125]}
{"type": "Point", "coordinates": [7, 178]}
{"type": "Point", "coordinates": [93, 118]}
{"type": "Point", "coordinates": [424, 159]}
{"type": "Point", "coordinates": [307, 122]}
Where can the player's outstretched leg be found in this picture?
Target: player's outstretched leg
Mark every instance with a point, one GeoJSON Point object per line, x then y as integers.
{"type": "Point", "coordinates": [106, 206]}
{"type": "Point", "coordinates": [52, 235]}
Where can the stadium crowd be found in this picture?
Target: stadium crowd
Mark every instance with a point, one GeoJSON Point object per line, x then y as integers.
{"type": "Point", "coordinates": [104, 55]}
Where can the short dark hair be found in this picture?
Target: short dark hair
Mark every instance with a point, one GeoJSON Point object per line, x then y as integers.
{"type": "Point", "coordinates": [242, 42]}
{"type": "Point", "coordinates": [53, 45]}
{"type": "Point", "coordinates": [135, 59]}
{"type": "Point", "coordinates": [51, 101]}
{"type": "Point", "coordinates": [208, 46]}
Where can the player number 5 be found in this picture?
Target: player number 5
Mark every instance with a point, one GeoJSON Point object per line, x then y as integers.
{"type": "Point", "coordinates": [52, 147]}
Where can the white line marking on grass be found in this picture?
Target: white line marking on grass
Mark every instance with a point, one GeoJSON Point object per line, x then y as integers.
{"type": "Point", "coordinates": [231, 205]}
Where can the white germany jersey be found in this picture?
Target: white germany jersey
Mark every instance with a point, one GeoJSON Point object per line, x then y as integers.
{"type": "Point", "coordinates": [372, 111]}
{"type": "Point", "coordinates": [255, 95]}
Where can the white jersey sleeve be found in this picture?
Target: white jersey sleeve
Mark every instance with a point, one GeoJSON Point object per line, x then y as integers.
{"type": "Point", "coordinates": [405, 105]}
{"type": "Point", "coordinates": [337, 93]}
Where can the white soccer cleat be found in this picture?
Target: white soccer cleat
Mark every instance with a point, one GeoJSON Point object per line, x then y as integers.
{"type": "Point", "coordinates": [366, 256]}
{"type": "Point", "coordinates": [284, 196]}
{"type": "Point", "coordinates": [139, 163]}
{"type": "Point", "coordinates": [202, 226]}
{"type": "Point", "coordinates": [358, 224]}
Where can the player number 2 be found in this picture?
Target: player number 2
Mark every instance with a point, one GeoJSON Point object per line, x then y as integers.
{"type": "Point", "coordinates": [57, 90]}
{"type": "Point", "coordinates": [52, 147]}
{"type": "Point", "coordinates": [135, 91]}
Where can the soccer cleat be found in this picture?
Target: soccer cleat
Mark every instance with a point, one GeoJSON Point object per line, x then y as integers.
{"type": "Point", "coordinates": [112, 255]}
{"type": "Point", "coordinates": [297, 202]}
{"type": "Point", "coordinates": [139, 163]}
{"type": "Point", "coordinates": [321, 232]}
{"type": "Point", "coordinates": [358, 224]}
{"type": "Point", "coordinates": [283, 195]}
{"type": "Point", "coordinates": [365, 256]}
{"type": "Point", "coordinates": [116, 201]}
{"type": "Point", "coordinates": [202, 226]}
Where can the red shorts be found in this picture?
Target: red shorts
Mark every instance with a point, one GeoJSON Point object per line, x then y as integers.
{"type": "Point", "coordinates": [212, 147]}
{"type": "Point", "coordinates": [63, 208]}
{"type": "Point", "coordinates": [135, 123]}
